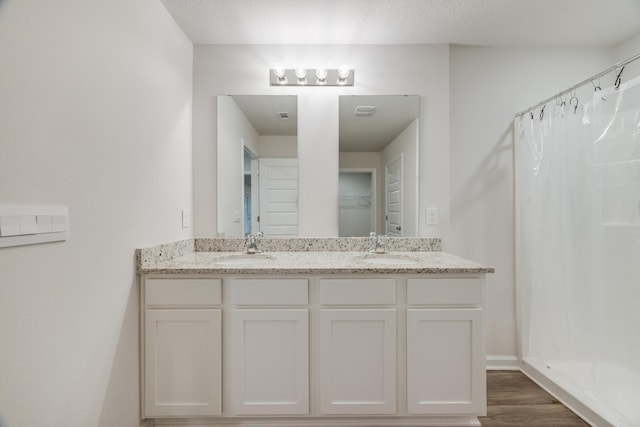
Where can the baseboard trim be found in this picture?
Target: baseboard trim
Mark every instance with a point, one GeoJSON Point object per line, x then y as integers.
{"type": "Point", "coordinates": [566, 398]}
{"type": "Point", "coordinates": [433, 421]}
{"type": "Point", "coordinates": [502, 363]}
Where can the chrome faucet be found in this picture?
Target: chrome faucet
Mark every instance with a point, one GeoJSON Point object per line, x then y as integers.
{"type": "Point", "coordinates": [251, 243]}
{"type": "Point", "coordinates": [377, 243]}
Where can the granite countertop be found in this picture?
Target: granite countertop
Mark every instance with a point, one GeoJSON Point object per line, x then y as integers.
{"type": "Point", "coordinates": [314, 262]}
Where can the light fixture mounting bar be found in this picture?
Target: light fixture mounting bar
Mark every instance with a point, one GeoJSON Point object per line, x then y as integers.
{"type": "Point", "coordinates": [288, 77]}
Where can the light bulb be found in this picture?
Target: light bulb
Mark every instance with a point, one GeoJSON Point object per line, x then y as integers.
{"type": "Point", "coordinates": [343, 72]}
{"type": "Point", "coordinates": [301, 74]}
{"type": "Point", "coordinates": [280, 73]}
{"type": "Point", "coordinates": [321, 74]}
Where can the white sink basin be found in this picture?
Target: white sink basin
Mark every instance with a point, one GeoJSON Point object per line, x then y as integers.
{"type": "Point", "coordinates": [246, 259]}
{"type": "Point", "coordinates": [388, 260]}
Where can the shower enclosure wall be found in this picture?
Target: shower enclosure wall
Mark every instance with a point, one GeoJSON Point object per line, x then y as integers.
{"type": "Point", "coordinates": [578, 251]}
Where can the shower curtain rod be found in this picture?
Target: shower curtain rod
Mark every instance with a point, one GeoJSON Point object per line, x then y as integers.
{"type": "Point", "coordinates": [582, 83]}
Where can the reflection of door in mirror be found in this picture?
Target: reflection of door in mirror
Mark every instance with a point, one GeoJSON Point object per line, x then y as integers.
{"type": "Point", "coordinates": [393, 191]}
{"type": "Point", "coordinates": [251, 192]}
{"type": "Point", "coordinates": [357, 202]}
{"type": "Point", "coordinates": [279, 197]}
{"type": "Point", "coordinates": [374, 131]}
{"type": "Point", "coordinates": [252, 131]}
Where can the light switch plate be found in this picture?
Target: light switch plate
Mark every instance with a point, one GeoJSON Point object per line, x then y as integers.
{"type": "Point", "coordinates": [9, 225]}
{"type": "Point", "coordinates": [186, 218]}
{"type": "Point", "coordinates": [30, 224]}
{"type": "Point", "coordinates": [58, 223]}
{"type": "Point", "coordinates": [44, 223]}
{"type": "Point", "coordinates": [432, 216]}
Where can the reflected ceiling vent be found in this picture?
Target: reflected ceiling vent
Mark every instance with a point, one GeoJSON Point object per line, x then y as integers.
{"type": "Point", "coordinates": [364, 110]}
{"type": "Point", "coordinates": [284, 115]}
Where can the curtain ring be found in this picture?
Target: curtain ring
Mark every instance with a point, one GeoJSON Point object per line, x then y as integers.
{"type": "Point", "coordinates": [575, 107]}
{"type": "Point", "coordinates": [542, 112]}
{"type": "Point", "coordinates": [619, 79]}
{"type": "Point", "coordinates": [599, 89]}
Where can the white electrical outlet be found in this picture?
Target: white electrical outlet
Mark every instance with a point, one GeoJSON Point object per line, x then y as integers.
{"type": "Point", "coordinates": [186, 218]}
{"type": "Point", "coordinates": [432, 216]}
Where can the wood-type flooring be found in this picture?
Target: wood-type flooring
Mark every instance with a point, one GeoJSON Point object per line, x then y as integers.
{"type": "Point", "coordinates": [514, 400]}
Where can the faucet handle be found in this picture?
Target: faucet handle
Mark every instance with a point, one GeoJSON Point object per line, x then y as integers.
{"type": "Point", "coordinates": [381, 245]}
{"type": "Point", "coordinates": [260, 234]}
{"type": "Point", "coordinates": [373, 241]}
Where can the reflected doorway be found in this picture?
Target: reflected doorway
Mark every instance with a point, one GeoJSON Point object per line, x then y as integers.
{"type": "Point", "coordinates": [357, 190]}
{"type": "Point", "coordinates": [251, 192]}
{"type": "Point", "coordinates": [393, 191]}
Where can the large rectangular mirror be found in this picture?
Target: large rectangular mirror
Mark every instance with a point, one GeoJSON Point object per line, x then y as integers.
{"type": "Point", "coordinates": [257, 167]}
{"type": "Point", "coordinates": [378, 182]}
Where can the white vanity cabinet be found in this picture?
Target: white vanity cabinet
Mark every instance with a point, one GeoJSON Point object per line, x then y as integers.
{"type": "Point", "coordinates": [313, 349]}
{"type": "Point", "coordinates": [357, 346]}
{"type": "Point", "coordinates": [270, 346]}
{"type": "Point", "coordinates": [445, 350]}
{"type": "Point", "coordinates": [182, 356]}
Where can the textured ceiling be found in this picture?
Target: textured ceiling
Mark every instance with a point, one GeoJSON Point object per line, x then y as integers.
{"type": "Point", "coordinates": [603, 23]}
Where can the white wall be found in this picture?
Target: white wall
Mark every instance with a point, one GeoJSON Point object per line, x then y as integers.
{"type": "Point", "coordinates": [278, 146]}
{"type": "Point", "coordinates": [95, 114]}
{"type": "Point", "coordinates": [489, 85]}
{"type": "Point", "coordinates": [627, 49]}
{"type": "Point", "coordinates": [243, 70]}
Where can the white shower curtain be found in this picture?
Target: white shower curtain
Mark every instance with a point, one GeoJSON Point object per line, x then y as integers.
{"type": "Point", "coordinates": [578, 249]}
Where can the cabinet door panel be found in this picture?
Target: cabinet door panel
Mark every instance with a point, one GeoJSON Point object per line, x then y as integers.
{"type": "Point", "coordinates": [445, 361]}
{"type": "Point", "coordinates": [182, 362]}
{"type": "Point", "coordinates": [271, 362]}
{"type": "Point", "coordinates": [358, 361]}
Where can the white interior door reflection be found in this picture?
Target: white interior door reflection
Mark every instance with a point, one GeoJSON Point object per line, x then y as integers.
{"type": "Point", "coordinates": [278, 197]}
{"type": "Point", "coordinates": [394, 198]}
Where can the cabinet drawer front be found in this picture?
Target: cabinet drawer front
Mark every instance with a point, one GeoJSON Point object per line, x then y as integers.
{"type": "Point", "coordinates": [178, 292]}
{"type": "Point", "coordinates": [270, 291]}
{"type": "Point", "coordinates": [357, 291]}
{"type": "Point", "coordinates": [454, 291]}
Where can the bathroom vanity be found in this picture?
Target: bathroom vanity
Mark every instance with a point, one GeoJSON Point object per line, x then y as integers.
{"type": "Point", "coordinates": [312, 337]}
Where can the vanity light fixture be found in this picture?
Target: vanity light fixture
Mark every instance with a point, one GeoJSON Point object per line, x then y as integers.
{"type": "Point", "coordinates": [343, 76]}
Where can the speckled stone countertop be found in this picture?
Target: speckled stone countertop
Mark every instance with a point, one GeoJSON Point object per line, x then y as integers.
{"type": "Point", "coordinates": [308, 262]}
{"type": "Point", "coordinates": [336, 255]}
